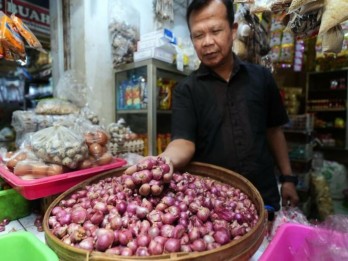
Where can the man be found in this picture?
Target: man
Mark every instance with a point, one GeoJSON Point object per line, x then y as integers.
{"type": "Point", "coordinates": [229, 113]}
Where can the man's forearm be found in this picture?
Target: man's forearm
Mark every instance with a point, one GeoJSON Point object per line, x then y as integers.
{"type": "Point", "coordinates": [180, 152]}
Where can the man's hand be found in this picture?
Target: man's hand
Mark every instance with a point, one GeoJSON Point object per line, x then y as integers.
{"type": "Point", "coordinates": [289, 194]}
{"type": "Point", "coordinates": [152, 161]}
{"type": "Point", "coordinates": [136, 167]}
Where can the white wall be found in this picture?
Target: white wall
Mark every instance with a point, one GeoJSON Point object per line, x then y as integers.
{"type": "Point", "coordinates": [91, 50]}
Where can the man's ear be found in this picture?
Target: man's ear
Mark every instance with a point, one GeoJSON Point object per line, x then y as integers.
{"type": "Point", "coordinates": [234, 31]}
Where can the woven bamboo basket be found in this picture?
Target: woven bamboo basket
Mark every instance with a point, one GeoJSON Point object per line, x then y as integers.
{"type": "Point", "coordinates": [241, 249]}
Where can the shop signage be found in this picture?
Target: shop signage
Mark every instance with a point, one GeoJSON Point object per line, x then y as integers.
{"type": "Point", "coordinates": [35, 16]}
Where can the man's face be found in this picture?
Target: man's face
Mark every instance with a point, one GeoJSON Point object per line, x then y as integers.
{"type": "Point", "coordinates": [211, 34]}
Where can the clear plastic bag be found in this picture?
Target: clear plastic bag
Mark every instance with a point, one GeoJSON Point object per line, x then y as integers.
{"type": "Point", "coordinates": [288, 215]}
{"type": "Point", "coordinates": [59, 145]}
{"type": "Point", "coordinates": [35, 169]}
{"type": "Point", "coordinates": [329, 240]}
{"type": "Point", "coordinates": [72, 87]}
{"type": "Point", "coordinates": [124, 30]}
{"type": "Point", "coordinates": [55, 106]}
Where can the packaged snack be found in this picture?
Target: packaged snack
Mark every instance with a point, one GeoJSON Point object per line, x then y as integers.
{"type": "Point", "coordinates": [26, 33]}
{"type": "Point", "coordinates": [1, 51]}
{"type": "Point", "coordinates": [9, 36]}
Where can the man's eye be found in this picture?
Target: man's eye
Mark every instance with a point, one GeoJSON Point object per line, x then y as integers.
{"type": "Point", "coordinates": [217, 31]}
{"type": "Point", "coordinates": [198, 36]}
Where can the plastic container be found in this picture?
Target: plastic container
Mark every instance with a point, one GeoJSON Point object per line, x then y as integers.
{"type": "Point", "coordinates": [22, 245]}
{"type": "Point", "coordinates": [296, 242]}
{"type": "Point", "coordinates": [39, 188]}
{"type": "Point", "coordinates": [241, 249]}
{"type": "Point", "coordinates": [13, 205]}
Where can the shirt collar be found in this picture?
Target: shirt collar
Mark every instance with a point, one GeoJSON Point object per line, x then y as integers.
{"type": "Point", "coordinates": [204, 70]}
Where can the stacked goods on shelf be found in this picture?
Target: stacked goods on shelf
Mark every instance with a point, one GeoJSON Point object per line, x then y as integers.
{"type": "Point", "coordinates": [157, 44]}
{"type": "Point", "coordinates": [123, 140]}
{"type": "Point", "coordinates": [298, 133]}
{"type": "Point", "coordinates": [292, 99]}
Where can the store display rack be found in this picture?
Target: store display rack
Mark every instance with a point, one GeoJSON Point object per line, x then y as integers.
{"type": "Point", "coordinates": [145, 116]}
{"type": "Point", "coordinates": [326, 99]}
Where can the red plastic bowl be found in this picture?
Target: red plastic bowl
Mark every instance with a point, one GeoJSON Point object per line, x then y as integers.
{"type": "Point", "coordinates": [43, 187]}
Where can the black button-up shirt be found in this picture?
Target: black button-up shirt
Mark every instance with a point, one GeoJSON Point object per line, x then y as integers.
{"type": "Point", "coordinates": [227, 121]}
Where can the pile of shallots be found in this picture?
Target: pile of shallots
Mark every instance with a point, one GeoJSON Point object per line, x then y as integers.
{"type": "Point", "coordinates": [153, 211]}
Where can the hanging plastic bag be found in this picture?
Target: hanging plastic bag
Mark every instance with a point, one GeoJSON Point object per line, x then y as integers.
{"type": "Point", "coordinates": [72, 87]}
{"type": "Point", "coordinates": [124, 27]}
{"type": "Point", "coordinates": [332, 41]}
{"type": "Point", "coordinates": [297, 4]}
{"type": "Point", "coordinates": [335, 12]}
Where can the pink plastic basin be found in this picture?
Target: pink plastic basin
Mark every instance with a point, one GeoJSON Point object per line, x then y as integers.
{"type": "Point", "coordinates": [295, 242]}
{"type": "Point", "coordinates": [43, 187]}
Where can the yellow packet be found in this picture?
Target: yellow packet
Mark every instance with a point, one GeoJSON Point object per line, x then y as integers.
{"type": "Point", "coordinates": [26, 33]}
{"type": "Point", "coordinates": [10, 37]}
{"type": "Point", "coordinates": [1, 51]}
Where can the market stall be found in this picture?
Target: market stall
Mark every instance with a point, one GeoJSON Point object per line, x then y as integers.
{"type": "Point", "coordinates": [65, 170]}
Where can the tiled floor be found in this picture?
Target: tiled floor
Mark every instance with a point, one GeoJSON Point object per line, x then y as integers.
{"type": "Point", "coordinates": [24, 224]}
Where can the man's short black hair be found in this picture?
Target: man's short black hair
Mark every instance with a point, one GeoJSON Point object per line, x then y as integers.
{"type": "Point", "coordinates": [199, 4]}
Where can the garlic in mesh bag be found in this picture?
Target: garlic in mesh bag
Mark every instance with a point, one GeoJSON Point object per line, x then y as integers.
{"type": "Point", "coordinates": [59, 145]}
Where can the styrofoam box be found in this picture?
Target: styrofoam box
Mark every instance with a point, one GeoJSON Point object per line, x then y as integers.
{"type": "Point", "coordinates": [152, 43]}
{"type": "Point", "coordinates": [165, 33]}
{"type": "Point", "coordinates": [297, 242]}
{"type": "Point", "coordinates": [156, 53]}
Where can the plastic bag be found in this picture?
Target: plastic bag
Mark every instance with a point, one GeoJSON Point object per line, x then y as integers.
{"type": "Point", "coordinates": [72, 87]}
{"type": "Point", "coordinates": [11, 41]}
{"type": "Point", "coordinates": [59, 145]}
{"type": "Point", "coordinates": [124, 27]}
{"type": "Point", "coordinates": [12, 158]}
{"type": "Point", "coordinates": [27, 34]}
{"type": "Point", "coordinates": [321, 195]}
{"type": "Point", "coordinates": [288, 215]}
{"type": "Point", "coordinates": [35, 169]}
{"type": "Point", "coordinates": [307, 25]}
{"type": "Point", "coordinates": [55, 106]}
{"type": "Point", "coordinates": [88, 114]}
{"type": "Point", "coordinates": [297, 4]}
{"type": "Point", "coordinates": [329, 240]}
{"type": "Point", "coordinates": [332, 41]}
{"type": "Point", "coordinates": [335, 12]}
{"type": "Point", "coordinates": [97, 139]}
{"type": "Point", "coordinates": [336, 177]}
